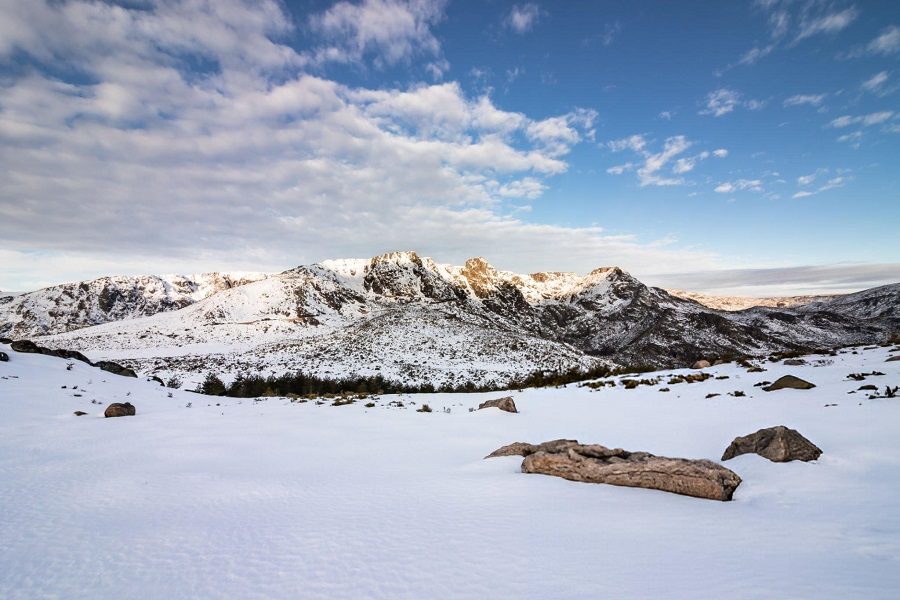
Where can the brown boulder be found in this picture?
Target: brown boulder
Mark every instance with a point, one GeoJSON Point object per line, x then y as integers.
{"type": "Point", "coordinates": [701, 364]}
{"type": "Point", "coordinates": [593, 463]}
{"type": "Point", "coordinates": [794, 362]}
{"type": "Point", "coordinates": [524, 448]}
{"type": "Point", "coordinates": [893, 358]}
{"type": "Point", "coordinates": [791, 382]}
{"type": "Point", "coordinates": [119, 410]}
{"type": "Point", "coordinates": [506, 404]}
{"type": "Point", "coordinates": [778, 444]}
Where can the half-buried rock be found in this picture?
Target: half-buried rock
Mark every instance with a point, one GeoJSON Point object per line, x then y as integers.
{"type": "Point", "coordinates": [506, 404]}
{"type": "Point", "coordinates": [789, 382]}
{"type": "Point", "coordinates": [593, 463]}
{"type": "Point", "coordinates": [778, 444]}
{"type": "Point", "coordinates": [119, 410]}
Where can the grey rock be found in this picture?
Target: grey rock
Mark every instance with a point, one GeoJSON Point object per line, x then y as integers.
{"type": "Point", "coordinates": [119, 410]}
{"type": "Point", "coordinates": [778, 444]}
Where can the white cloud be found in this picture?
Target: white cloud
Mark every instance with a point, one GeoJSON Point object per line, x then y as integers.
{"type": "Point", "coordinates": [721, 102]}
{"type": "Point", "coordinates": [720, 153]}
{"type": "Point", "coordinates": [887, 42]}
{"type": "Point", "coordinates": [802, 194]}
{"type": "Point", "coordinates": [391, 31]}
{"type": "Point", "coordinates": [665, 115]}
{"type": "Point", "coordinates": [635, 143]}
{"type": "Point", "coordinates": [808, 99]}
{"type": "Point", "coordinates": [751, 56]}
{"type": "Point", "coordinates": [619, 169]}
{"type": "Point", "coordinates": [864, 120]}
{"type": "Point", "coordinates": [779, 22]}
{"type": "Point", "coordinates": [523, 17]}
{"type": "Point", "coordinates": [831, 23]}
{"type": "Point", "coordinates": [753, 185]}
{"type": "Point", "coordinates": [875, 84]}
{"type": "Point", "coordinates": [806, 179]}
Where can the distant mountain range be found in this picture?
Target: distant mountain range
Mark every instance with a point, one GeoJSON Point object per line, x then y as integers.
{"type": "Point", "coordinates": [411, 319]}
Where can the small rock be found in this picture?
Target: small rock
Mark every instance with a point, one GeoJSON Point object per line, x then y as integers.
{"type": "Point", "coordinates": [507, 404]}
{"type": "Point", "coordinates": [794, 362]}
{"type": "Point", "coordinates": [778, 444]}
{"type": "Point", "coordinates": [524, 448]}
{"type": "Point", "coordinates": [868, 387]}
{"type": "Point", "coordinates": [119, 410]}
{"type": "Point", "coordinates": [701, 364]}
{"type": "Point", "coordinates": [4, 357]}
{"type": "Point", "coordinates": [789, 382]}
{"type": "Point", "coordinates": [893, 358]}
{"type": "Point", "coordinates": [708, 396]}
{"type": "Point", "coordinates": [79, 413]}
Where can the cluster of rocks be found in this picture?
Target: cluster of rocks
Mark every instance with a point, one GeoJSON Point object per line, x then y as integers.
{"type": "Point", "coordinates": [700, 478]}
{"type": "Point", "coordinates": [29, 347]}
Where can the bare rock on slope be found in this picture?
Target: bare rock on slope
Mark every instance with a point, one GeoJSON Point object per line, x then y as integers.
{"type": "Point", "coordinates": [120, 410]}
{"type": "Point", "coordinates": [701, 364]}
{"type": "Point", "coordinates": [789, 382]}
{"type": "Point", "coordinates": [524, 448]}
{"type": "Point", "coordinates": [115, 368]}
{"type": "Point", "coordinates": [893, 358]}
{"type": "Point", "coordinates": [778, 444]}
{"type": "Point", "coordinates": [593, 463]}
{"type": "Point", "coordinates": [507, 404]}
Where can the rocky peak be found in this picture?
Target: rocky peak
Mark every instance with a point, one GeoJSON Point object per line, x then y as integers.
{"type": "Point", "coordinates": [407, 276]}
{"type": "Point", "coordinates": [482, 277]}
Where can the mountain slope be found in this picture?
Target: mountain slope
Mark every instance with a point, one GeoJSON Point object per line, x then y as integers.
{"type": "Point", "coordinates": [412, 319]}
{"type": "Point", "coordinates": [70, 306]}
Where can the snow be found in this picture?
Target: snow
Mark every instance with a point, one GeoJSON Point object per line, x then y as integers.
{"type": "Point", "coordinates": [274, 499]}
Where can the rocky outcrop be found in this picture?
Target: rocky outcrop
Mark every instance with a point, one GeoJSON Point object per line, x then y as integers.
{"type": "Point", "coordinates": [700, 364]}
{"type": "Point", "coordinates": [789, 382]}
{"type": "Point", "coordinates": [794, 362]}
{"type": "Point", "coordinates": [119, 410]}
{"type": "Point", "coordinates": [593, 463]}
{"type": "Point", "coordinates": [115, 368]}
{"type": "Point", "coordinates": [778, 444]}
{"type": "Point", "coordinates": [29, 347]}
{"type": "Point", "coordinates": [506, 404]}
{"type": "Point", "coordinates": [893, 358]}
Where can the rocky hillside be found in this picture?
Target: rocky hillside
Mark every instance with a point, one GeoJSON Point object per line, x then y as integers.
{"type": "Point", "coordinates": [70, 306]}
{"type": "Point", "coordinates": [409, 318]}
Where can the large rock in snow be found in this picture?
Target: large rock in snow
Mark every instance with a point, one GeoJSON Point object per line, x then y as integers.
{"type": "Point", "coordinates": [789, 382]}
{"type": "Point", "coordinates": [120, 410]}
{"type": "Point", "coordinates": [506, 403]}
{"type": "Point", "coordinates": [778, 444]}
{"type": "Point", "coordinates": [115, 368]}
{"type": "Point", "coordinates": [593, 463]}
{"type": "Point", "coordinates": [524, 448]}
{"type": "Point", "coordinates": [701, 364]}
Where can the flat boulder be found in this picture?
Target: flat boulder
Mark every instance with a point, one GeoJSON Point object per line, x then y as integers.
{"type": "Point", "coordinates": [893, 358]}
{"type": "Point", "coordinates": [778, 444]}
{"type": "Point", "coordinates": [794, 362]}
{"type": "Point", "coordinates": [594, 463]}
{"type": "Point", "coordinates": [701, 364]}
{"type": "Point", "coordinates": [789, 382]}
{"type": "Point", "coordinates": [507, 404]}
{"type": "Point", "coordinates": [119, 410]}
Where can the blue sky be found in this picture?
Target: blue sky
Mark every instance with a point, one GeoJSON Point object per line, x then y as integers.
{"type": "Point", "coordinates": [737, 147]}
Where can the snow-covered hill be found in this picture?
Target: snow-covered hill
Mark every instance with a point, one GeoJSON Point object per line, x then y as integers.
{"type": "Point", "coordinates": [412, 319]}
{"type": "Point", "coordinates": [72, 306]}
{"type": "Point", "coordinates": [213, 497]}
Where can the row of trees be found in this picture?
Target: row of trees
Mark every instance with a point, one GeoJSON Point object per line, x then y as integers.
{"type": "Point", "coordinates": [304, 384]}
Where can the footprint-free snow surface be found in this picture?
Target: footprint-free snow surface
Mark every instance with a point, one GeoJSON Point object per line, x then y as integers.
{"type": "Point", "coordinates": [277, 499]}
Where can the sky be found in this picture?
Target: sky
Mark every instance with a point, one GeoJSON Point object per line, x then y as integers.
{"type": "Point", "coordinates": [729, 147]}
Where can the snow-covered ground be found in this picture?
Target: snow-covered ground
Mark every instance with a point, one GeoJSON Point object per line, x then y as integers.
{"type": "Point", "coordinates": [273, 499]}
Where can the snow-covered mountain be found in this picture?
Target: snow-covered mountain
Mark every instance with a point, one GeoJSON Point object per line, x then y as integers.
{"type": "Point", "coordinates": [69, 306]}
{"type": "Point", "coordinates": [409, 318]}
